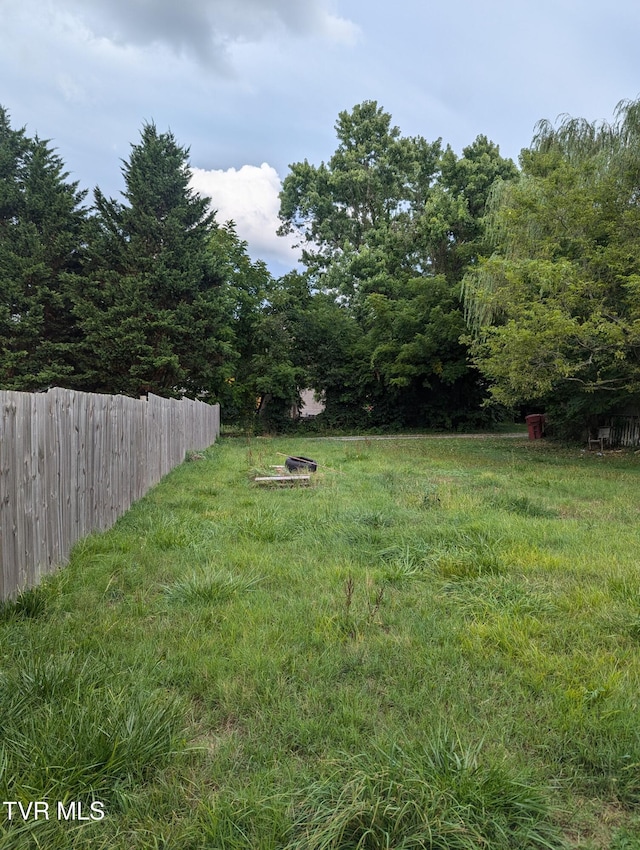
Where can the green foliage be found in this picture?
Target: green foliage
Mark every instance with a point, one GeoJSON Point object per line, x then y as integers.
{"type": "Point", "coordinates": [452, 224]}
{"type": "Point", "coordinates": [356, 213]}
{"type": "Point", "coordinates": [42, 227]}
{"type": "Point", "coordinates": [74, 733]}
{"type": "Point", "coordinates": [387, 226]}
{"type": "Point", "coordinates": [154, 314]}
{"type": "Point", "coordinates": [370, 182]}
{"type": "Point", "coordinates": [206, 587]}
{"type": "Point", "coordinates": [149, 294]}
{"type": "Point", "coordinates": [264, 377]}
{"type": "Point", "coordinates": [555, 308]}
{"type": "Point", "coordinates": [30, 604]}
{"type": "Point", "coordinates": [279, 350]}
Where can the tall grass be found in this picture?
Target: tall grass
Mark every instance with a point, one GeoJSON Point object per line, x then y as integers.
{"type": "Point", "coordinates": [437, 645]}
{"type": "Point", "coordinates": [437, 795]}
{"type": "Point", "coordinates": [72, 732]}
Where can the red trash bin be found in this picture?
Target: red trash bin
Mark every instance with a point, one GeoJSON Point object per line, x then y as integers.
{"type": "Point", "coordinates": [535, 424]}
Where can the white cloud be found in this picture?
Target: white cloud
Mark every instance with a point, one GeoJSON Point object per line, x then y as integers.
{"type": "Point", "coordinates": [249, 197]}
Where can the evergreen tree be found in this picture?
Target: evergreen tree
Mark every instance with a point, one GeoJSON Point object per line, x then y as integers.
{"type": "Point", "coordinates": [42, 225]}
{"type": "Point", "coordinates": [155, 314]}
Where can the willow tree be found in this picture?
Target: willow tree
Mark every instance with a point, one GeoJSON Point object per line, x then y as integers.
{"type": "Point", "coordinates": [555, 308]}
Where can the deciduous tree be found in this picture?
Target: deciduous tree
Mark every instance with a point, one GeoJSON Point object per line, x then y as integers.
{"type": "Point", "coordinates": [387, 226]}
{"type": "Point", "coordinates": [556, 307]}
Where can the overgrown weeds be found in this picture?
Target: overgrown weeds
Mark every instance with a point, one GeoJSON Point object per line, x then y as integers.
{"type": "Point", "coordinates": [437, 795]}
{"type": "Point", "coordinates": [74, 732]}
{"type": "Point", "coordinates": [257, 670]}
{"type": "Point", "coordinates": [358, 616]}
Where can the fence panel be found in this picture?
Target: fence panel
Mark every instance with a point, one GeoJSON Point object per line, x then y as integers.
{"type": "Point", "coordinates": [625, 431]}
{"type": "Point", "coordinates": [72, 463]}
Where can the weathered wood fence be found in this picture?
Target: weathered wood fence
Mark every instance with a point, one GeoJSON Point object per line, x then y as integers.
{"type": "Point", "coordinates": [625, 431]}
{"type": "Point", "coordinates": [73, 462]}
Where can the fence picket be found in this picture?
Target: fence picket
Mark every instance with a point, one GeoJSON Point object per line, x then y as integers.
{"type": "Point", "coordinates": [72, 463]}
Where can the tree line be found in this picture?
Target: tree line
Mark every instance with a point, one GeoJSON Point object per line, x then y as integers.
{"type": "Point", "coordinates": [435, 290]}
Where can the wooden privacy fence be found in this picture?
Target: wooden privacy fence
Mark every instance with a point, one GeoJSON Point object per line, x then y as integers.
{"type": "Point", "coordinates": [73, 462]}
{"type": "Point", "coordinates": [625, 431]}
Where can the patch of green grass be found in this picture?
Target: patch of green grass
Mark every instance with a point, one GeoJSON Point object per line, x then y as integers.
{"type": "Point", "coordinates": [405, 563]}
{"type": "Point", "coordinates": [521, 504]}
{"type": "Point", "coordinates": [72, 732]}
{"type": "Point", "coordinates": [30, 604]}
{"type": "Point", "coordinates": [435, 795]}
{"type": "Point", "coordinates": [232, 667]}
{"type": "Point", "coordinates": [209, 588]}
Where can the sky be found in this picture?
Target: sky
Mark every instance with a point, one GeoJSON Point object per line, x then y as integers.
{"type": "Point", "coordinates": [252, 86]}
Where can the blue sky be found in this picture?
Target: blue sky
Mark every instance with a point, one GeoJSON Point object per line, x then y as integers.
{"type": "Point", "coordinates": [254, 85]}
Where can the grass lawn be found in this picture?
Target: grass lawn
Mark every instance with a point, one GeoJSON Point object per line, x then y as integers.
{"type": "Point", "coordinates": [435, 645]}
